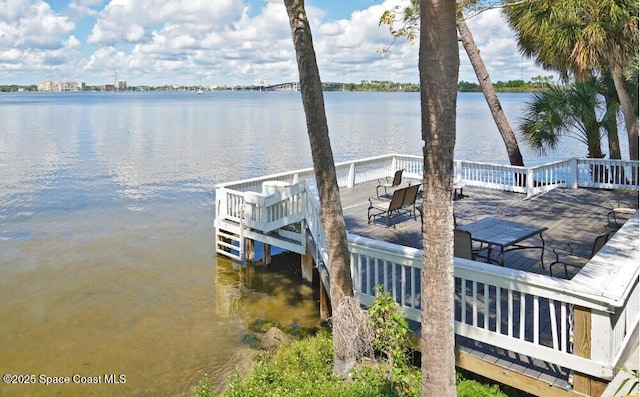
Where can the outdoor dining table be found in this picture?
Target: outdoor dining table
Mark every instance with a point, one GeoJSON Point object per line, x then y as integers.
{"type": "Point", "coordinates": [505, 235]}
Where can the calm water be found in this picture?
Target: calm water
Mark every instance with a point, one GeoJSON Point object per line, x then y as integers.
{"type": "Point", "coordinates": [106, 209]}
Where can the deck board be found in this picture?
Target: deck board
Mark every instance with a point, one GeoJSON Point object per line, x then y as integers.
{"type": "Point", "coordinates": [575, 216]}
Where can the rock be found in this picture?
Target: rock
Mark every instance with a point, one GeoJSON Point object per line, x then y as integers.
{"type": "Point", "coordinates": [274, 338]}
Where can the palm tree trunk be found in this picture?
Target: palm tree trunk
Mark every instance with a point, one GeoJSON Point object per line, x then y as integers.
{"type": "Point", "coordinates": [438, 64]}
{"type": "Point", "coordinates": [331, 213]}
{"type": "Point", "coordinates": [610, 124]}
{"type": "Point", "coordinates": [508, 136]}
{"type": "Point", "coordinates": [630, 118]}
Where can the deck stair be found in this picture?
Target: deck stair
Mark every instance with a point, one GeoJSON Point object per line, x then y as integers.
{"type": "Point", "coordinates": [230, 241]}
{"type": "Point", "coordinates": [273, 216]}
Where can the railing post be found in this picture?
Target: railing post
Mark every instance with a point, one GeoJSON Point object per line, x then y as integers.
{"type": "Point", "coordinates": [573, 173]}
{"type": "Point", "coordinates": [531, 189]}
{"type": "Point", "coordinates": [351, 179]}
{"type": "Point", "coordinates": [457, 171]}
{"type": "Point", "coordinates": [584, 345]}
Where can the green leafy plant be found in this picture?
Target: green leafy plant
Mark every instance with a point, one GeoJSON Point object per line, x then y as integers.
{"type": "Point", "coordinates": [203, 387]}
{"type": "Point", "coordinates": [392, 332]}
{"type": "Point", "coordinates": [630, 383]}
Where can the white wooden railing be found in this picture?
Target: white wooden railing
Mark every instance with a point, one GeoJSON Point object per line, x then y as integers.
{"type": "Point", "coordinates": [518, 311]}
{"type": "Point", "coordinates": [573, 173]}
{"type": "Point", "coordinates": [522, 312]}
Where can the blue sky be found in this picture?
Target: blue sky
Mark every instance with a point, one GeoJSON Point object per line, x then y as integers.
{"type": "Point", "coordinates": [220, 42]}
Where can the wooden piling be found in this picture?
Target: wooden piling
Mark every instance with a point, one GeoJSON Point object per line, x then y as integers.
{"type": "Point", "coordinates": [306, 266]}
{"type": "Point", "coordinates": [266, 254]}
{"type": "Point", "coordinates": [251, 250]}
{"type": "Point", "coordinates": [325, 303]}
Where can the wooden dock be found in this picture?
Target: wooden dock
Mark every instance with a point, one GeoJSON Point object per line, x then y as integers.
{"type": "Point", "coordinates": [571, 216]}
{"type": "Point", "coordinates": [513, 323]}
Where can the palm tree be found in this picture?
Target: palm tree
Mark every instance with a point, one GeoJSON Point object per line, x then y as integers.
{"type": "Point", "coordinates": [578, 37]}
{"type": "Point", "coordinates": [438, 64]}
{"type": "Point", "coordinates": [565, 112]}
{"type": "Point", "coordinates": [331, 207]}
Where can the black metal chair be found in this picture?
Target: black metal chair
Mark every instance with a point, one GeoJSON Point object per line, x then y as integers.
{"type": "Point", "coordinates": [568, 257]}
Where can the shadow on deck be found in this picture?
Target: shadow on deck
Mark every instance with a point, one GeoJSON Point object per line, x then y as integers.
{"type": "Point", "coordinates": [575, 216]}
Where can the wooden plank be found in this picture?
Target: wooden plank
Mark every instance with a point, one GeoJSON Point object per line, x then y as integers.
{"type": "Point", "coordinates": [509, 377]}
{"type": "Point", "coordinates": [582, 383]}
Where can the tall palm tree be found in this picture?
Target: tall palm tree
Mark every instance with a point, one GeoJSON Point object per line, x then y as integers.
{"type": "Point", "coordinates": [566, 112]}
{"type": "Point", "coordinates": [331, 214]}
{"type": "Point", "coordinates": [438, 64]}
{"type": "Point", "coordinates": [577, 37]}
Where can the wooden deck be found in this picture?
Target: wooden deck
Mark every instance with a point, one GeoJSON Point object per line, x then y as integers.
{"type": "Point", "coordinates": [575, 216]}
{"type": "Point", "coordinates": [581, 328]}
{"type": "Point", "coordinates": [571, 215]}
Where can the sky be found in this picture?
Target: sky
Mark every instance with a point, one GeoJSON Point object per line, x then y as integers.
{"type": "Point", "coordinates": [222, 43]}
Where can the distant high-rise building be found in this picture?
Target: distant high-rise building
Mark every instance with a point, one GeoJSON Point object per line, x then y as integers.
{"type": "Point", "coordinates": [260, 83]}
{"type": "Point", "coordinates": [65, 85]}
{"type": "Point", "coordinates": [121, 85]}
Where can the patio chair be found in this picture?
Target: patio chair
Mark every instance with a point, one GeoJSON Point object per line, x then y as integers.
{"type": "Point", "coordinates": [389, 182]}
{"type": "Point", "coordinates": [409, 201]}
{"type": "Point", "coordinates": [570, 258]}
{"type": "Point", "coordinates": [386, 207]}
{"type": "Point", "coordinates": [403, 201]}
{"type": "Point", "coordinates": [618, 211]}
{"type": "Point", "coordinates": [463, 245]}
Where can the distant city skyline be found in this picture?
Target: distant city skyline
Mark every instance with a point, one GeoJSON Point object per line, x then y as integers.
{"type": "Point", "coordinates": [223, 42]}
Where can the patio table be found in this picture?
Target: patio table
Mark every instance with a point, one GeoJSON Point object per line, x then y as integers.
{"type": "Point", "coordinates": [505, 235]}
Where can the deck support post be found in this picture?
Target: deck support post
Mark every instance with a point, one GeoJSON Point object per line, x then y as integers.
{"type": "Point", "coordinates": [251, 250]}
{"type": "Point", "coordinates": [266, 254]}
{"type": "Point", "coordinates": [306, 266]}
{"type": "Point", "coordinates": [582, 383]}
{"type": "Point", "coordinates": [325, 303]}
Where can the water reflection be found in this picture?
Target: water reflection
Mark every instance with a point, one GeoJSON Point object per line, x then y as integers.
{"type": "Point", "coordinates": [143, 298]}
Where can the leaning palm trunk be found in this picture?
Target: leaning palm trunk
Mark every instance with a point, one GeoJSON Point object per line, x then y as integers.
{"type": "Point", "coordinates": [438, 64]}
{"type": "Point", "coordinates": [610, 125]}
{"type": "Point", "coordinates": [630, 118]}
{"type": "Point", "coordinates": [508, 136]}
{"type": "Point", "coordinates": [331, 214]}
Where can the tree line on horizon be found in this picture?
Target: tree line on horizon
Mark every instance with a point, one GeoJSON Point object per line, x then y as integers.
{"type": "Point", "coordinates": [536, 84]}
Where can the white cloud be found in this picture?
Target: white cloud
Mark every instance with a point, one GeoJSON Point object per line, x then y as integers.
{"type": "Point", "coordinates": [32, 25]}
{"type": "Point", "coordinates": [220, 42]}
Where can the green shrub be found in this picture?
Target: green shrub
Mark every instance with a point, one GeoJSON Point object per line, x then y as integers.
{"type": "Point", "coordinates": [305, 368]}
{"type": "Point", "coordinates": [471, 388]}
{"type": "Point", "coordinates": [391, 338]}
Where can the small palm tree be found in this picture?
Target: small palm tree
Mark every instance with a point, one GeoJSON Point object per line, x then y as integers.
{"type": "Point", "coordinates": [566, 111]}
